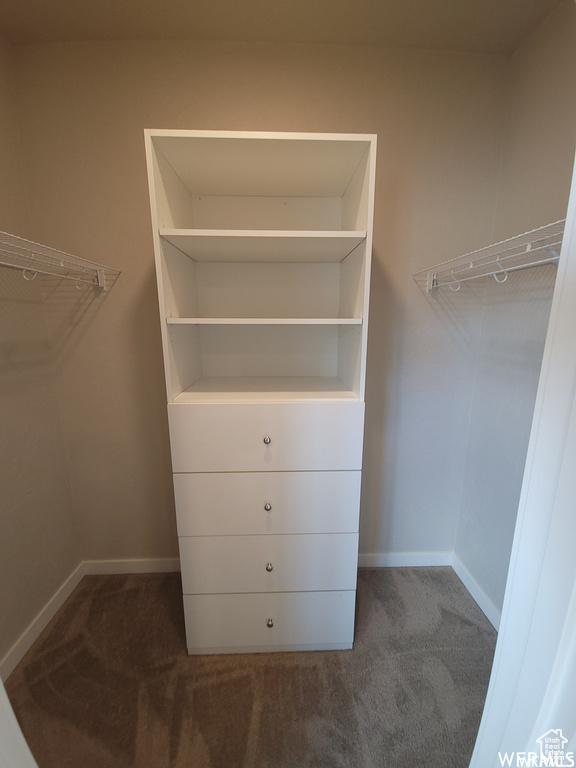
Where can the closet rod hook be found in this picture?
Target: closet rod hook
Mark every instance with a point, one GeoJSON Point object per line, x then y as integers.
{"type": "Point", "coordinates": [502, 271]}
{"type": "Point", "coordinates": [455, 283]}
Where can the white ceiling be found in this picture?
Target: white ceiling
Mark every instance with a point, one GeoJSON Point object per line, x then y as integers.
{"type": "Point", "coordinates": [487, 26]}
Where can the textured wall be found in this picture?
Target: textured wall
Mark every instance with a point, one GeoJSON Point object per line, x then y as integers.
{"type": "Point", "coordinates": [13, 207]}
{"type": "Point", "coordinates": [536, 173]}
{"type": "Point", "coordinates": [39, 544]}
{"type": "Point", "coordinates": [438, 118]}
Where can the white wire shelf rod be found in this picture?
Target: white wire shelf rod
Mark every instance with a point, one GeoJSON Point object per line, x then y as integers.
{"type": "Point", "coordinates": [45, 255]}
{"type": "Point", "coordinates": [532, 239]}
{"type": "Point", "coordinates": [30, 272]}
{"type": "Point", "coordinates": [442, 281]}
{"type": "Point", "coordinates": [32, 258]}
{"type": "Point", "coordinates": [26, 260]}
{"type": "Point", "coordinates": [464, 264]}
{"type": "Point", "coordinates": [527, 252]}
{"type": "Point", "coordinates": [33, 248]}
{"type": "Point", "coordinates": [527, 256]}
{"type": "Point", "coordinates": [502, 262]}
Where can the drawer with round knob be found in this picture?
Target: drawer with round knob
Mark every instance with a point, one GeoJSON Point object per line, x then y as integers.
{"type": "Point", "coordinates": [228, 564]}
{"type": "Point", "coordinates": [220, 503]}
{"type": "Point", "coordinates": [285, 621]}
{"type": "Point", "coordinates": [266, 437]}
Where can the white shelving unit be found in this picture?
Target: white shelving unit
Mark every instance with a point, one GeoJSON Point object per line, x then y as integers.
{"type": "Point", "coordinates": [532, 249]}
{"type": "Point", "coordinates": [33, 259]}
{"type": "Point", "coordinates": [262, 245]}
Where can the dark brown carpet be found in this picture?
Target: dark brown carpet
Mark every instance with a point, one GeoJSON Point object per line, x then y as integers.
{"type": "Point", "coordinates": [109, 684]}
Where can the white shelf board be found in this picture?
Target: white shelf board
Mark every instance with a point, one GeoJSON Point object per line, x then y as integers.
{"type": "Point", "coordinates": [264, 320]}
{"type": "Point", "coordinates": [267, 164]}
{"type": "Point", "coordinates": [269, 389]}
{"type": "Point", "coordinates": [264, 245]}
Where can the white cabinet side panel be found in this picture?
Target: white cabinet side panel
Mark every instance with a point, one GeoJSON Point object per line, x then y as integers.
{"type": "Point", "coordinates": [355, 199]}
{"type": "Point", "coordinates": [179, 278]}
{"type": "Point", "coordinates": [184, 357]}
{"type": "Point", "coordinates": [352, 299]}
{"type": "Point", "coordinates": [173, 201]}
{"type": "Point", "coordinates": [349, 358]}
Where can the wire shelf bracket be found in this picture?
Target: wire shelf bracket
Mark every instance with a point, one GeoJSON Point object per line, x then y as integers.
{"type": "Point", "coordinates": [33, 259]}
{"type": "Point", "coordinates": [532, 249]}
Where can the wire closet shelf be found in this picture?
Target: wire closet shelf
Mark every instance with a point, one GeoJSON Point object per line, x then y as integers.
{"type": "Point", "coordinates": [33, 259]}
{"type": "Point", "coordinates": [532, 249]}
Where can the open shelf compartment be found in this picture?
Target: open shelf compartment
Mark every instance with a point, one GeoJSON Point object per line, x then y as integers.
{"type": "Point", "coordinates": [225, 363]}
{"type": "Point", "coordinates": [289, 290]}
{"type": "Point", "coordinates": [262, 245]}
{"type": "Point", "coordinates": [260, 182]}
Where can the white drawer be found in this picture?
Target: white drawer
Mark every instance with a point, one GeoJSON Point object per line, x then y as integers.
{"type": "Point", "coordinates": [240, 623]}
{"type": "Point", "coordinates": [231, 438]}
{"type": "Point", "coordinates": [219, 503]}
{"type": "Point", "coordinates": [294, 563]}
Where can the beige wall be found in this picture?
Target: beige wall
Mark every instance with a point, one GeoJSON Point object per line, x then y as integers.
{"type": "Point", "coordinates": [13, 205]}
{"type": "Point", "coordinates": [438, 119]}
{"type": "Point", "coordinates": [538, 156]}
{"type": "Point", "coordinates": [440, 124]}
{"type": "Point", "coordinates": [39, 544]}
{"type": "Point", "coordinates": [541, 126]}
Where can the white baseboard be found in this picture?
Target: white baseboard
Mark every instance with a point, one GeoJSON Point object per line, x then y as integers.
{"type": "Point", "coordinates": [404, 559]}
{"type": "Point", "coordinates": [428, 559]}
{"type": "Point", "coordinates": [172, 564]}
{"type": "Point", "coordinates": [492, 613]}
{"type": "Point", "coordinates": [85, 568]}
{"type": "Point", "coordinates": [36, 626]}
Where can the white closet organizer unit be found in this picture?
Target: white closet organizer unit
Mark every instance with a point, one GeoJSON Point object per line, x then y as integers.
{"type": "Point", "coordinates": [263, 244]}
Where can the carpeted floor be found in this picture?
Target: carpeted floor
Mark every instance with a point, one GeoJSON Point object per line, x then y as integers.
{"type": "Point", "coordinates": [109, 684]}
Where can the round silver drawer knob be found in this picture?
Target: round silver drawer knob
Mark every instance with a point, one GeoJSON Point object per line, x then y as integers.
{"type": "Point", "coordinates": [267, 440]}
{"type": "Point", "coordinates": [267, 506]}
{"type": "Point", "coordinates": [270, 623]}
{"type": "Point", "coordinates": [269, 567]}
